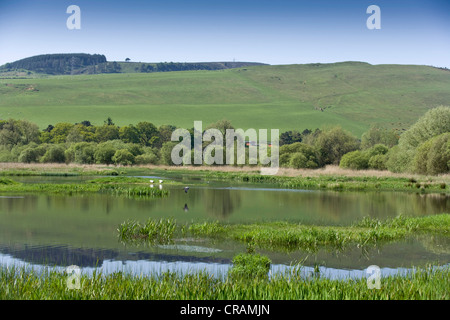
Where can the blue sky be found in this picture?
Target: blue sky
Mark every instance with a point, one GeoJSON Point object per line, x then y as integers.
{"type": "Point", "coordinates": [274, 32]}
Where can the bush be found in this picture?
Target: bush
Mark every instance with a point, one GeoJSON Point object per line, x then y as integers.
{"type": "Point", "coordinates": [376, 136]}
{"type": "Point", "coordinates": [104, 154]}
{"type": "Point", "coordinates": [123, 157]}
{"type": "Point", "coordinates": [82, 152]}
{"type": "Point", "coordinates": [356, 160]}
{"type": "Point", "coordinates": [5, 155]}
{"type": "Point", "coordinates": [28, 155]}
{"type": "Point", "coordinates": [333, 143]}
{"type": "Point", "coordinates": [31, 153]}
{"type": "Point", "coordinates": [378, 162]}
{"type": "Point", "coordinates": [146, 159]}
{"type": "Point", "coordinates": [54, 154]}
{"type": "Point", "coordinates": [378, 149]}
{"type": "Point", "coordinates": [298, 155]}
{"type": "Point", "coordinates": [398, 160]}
{"type": "Point", "coordinates": [433, 156]}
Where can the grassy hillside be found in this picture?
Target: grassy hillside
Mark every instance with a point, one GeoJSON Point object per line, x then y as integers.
{"type": "Point", "coordinates": [351, 94]}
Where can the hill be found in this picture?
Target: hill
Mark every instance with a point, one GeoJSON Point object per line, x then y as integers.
{"type": "Point", "coordinates": [82, 63]}
{"type": "Point", "coordinates": [354, 95]}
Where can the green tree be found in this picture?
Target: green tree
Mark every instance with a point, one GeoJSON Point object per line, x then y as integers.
{"type": "Point", "coordinates": [166, 153]}
{"type": "Point", "coordinates": [356, 160]}
{"type": "Point", "coordinates": [148, 133]}
{"type": "Point", "coordinates": [290, 137]}
{"type": "Point", "coordinates": [106, 133]}
{"type": "Point", "coordinates": [54, 154]}
{"type": "Point", "coordinates": [333, 143]}
{"type": "Point", "coordinates": [433, 156]}
{"type": "Point", "coordinates": [123, 157]}
{"type": "Point", "coordinates": [60, 132]}
{"type": "Point", "coordinates": [376, 135]}
{"type": "Point", "coordinates": [129, 134]}
{"type": "Point", "coordinates": [104, 154]}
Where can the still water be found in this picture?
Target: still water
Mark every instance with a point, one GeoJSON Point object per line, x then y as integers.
{"type": "Point", "coordinates": [61, 230]}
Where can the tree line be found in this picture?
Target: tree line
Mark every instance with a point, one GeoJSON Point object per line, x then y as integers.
{"type": "Point", "coordinates": [424, 148]}
{"type": "Point", "coordinates": [56, 64]}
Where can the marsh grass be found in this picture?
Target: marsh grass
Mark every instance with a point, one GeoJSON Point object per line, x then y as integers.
{"type": "Point", "coordinates": [288, 236]}
{"type": "Point", "coordinates": [424, 283]}
{"type": "Point", "coordinates": [248, 266]}
{"type": "Point", "coordinates": [337, 182]}
{"type": "Point", "coordinates": [153, 231]}
{"type": "Point", "coordinates": [116, 189]}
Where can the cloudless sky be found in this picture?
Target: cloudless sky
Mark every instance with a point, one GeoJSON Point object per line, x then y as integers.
{"type": "Point", "coordinates": [274, 32]}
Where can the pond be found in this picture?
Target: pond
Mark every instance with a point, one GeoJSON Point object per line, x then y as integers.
{"type": "Point", "coordinates": [62, 230]}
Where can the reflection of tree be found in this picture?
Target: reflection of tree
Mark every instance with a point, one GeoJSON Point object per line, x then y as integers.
{"type": "Point", "coordinates": [221, 203]}
{"type": "Point", "coordinates": [436, 244]}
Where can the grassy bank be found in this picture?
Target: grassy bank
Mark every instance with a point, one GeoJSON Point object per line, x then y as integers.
{"type": "Point", "coordinates": [123, 186]}
{"type": "Point", "coordinates": [329, 178]}
{"type": "Point", "coordinates": [340, 182]}
{"type": "Point", "coordinates": [21, 284]}
{"type": "Point", "coordinates": [288, 236]}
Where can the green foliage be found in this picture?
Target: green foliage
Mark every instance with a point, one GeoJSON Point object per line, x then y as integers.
{"type": "Point", "coordinates": [104, 153]}
{"type": "Point", "coordinates": [435, 122]}
{"type": "Point", "coordinates": [250, 266]}
{"type": "Point", "coordinates": [398, 160]}
{"type": "Point", "coordinates": [433, 156]}
{"type": "Point", "coordinates": [356, 160]}
{"type": "Point", "coordinates": [147, 159]}
{"type": "Point", "coordinates": [153, 231]}
{"type": "Point", "coordinates": [18, 132]}
{"type": "Point", "coordinates": [82, 152]}
{"type": "Point", "coordinates": [129, 134]}
{"type": "Point", "coordinates": [411, 156]}
{"type": "Point", "coordinates": [106, 132]}
{"type": "Point", "coordinates": [333, 143]}
{"type": "Point", "coordinates": [378, 162]}
{"type": "Point", "coordinates": [290, 137]}
{"type": "Point", "coordinates": [54, 154]}
{"type": "Point", "coordinates": [56, 63]}
{"type": "Point", "coordinates": [298, 155]}
{"type": "Point", "coordinates": [376, 135]}
{"type": "Point", "coordinates": [166, 152]}
{"type": "Point", "coordinates": [123, 157]}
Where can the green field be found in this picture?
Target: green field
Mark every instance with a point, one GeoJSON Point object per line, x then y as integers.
{"type": "Point", "coordinates": [354, 95]}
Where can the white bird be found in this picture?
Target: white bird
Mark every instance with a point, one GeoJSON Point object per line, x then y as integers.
{"type": "Point", "coordinates": [160, 181]}
{"type": "Point", "coordinates": [151, 186]}
{"type": "Point", "coordinates": [151, 181]}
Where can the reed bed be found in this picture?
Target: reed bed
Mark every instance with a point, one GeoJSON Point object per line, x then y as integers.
{"type": "Point", "coordinates": [15, 283]}
{"type": "Point", "coordinates": [10, 186]}
{"type": "Point", "coordinates": [287, 236]}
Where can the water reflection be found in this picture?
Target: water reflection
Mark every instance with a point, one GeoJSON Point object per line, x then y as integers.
{"type": "Point", "coordinates": [221, 203]}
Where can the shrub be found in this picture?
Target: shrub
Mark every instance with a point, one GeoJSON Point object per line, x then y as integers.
{"type": "Point", "coordinates": [146, 159]}
{"type": "Point", "coordinates": [104, 154]}
{"type": "Point", "coordinates": [298, 155]}
{"type": "Point", "coordinates": [333, 143]}
{"type": "Point", "coordinates": [378, 162]}
{"type": "Point", "coordinates": [55, 153]}
{"type": "Point", "coordinates": [356, 160]}
{"type": "Point", "coordinates": [123, 157]}
{"type": "Point", "coordinates": [398, 160]}
{"type": "Point", "coordinates": [433, 156]}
